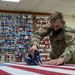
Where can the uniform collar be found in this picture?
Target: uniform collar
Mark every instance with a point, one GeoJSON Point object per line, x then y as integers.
{"type": "Point", "coordinates": [59, 36]}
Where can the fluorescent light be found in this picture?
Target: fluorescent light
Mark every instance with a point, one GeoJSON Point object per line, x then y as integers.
{"type": "Point", "coordinates": [11, 0]}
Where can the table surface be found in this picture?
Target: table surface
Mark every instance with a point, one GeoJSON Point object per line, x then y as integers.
{"type": "Point", "coordinates": [20, 68]}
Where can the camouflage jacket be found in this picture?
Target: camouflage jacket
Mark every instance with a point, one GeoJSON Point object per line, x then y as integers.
{"type": "Point", "coordinates": [63, 45]}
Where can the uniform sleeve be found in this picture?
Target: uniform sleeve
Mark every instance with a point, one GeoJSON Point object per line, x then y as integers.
{"type": "Point", "coordinates": [39, 35]}
{"type": "Point", "coordinates": [70, 49]}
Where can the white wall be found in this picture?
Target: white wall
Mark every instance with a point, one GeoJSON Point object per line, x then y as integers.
{"type": "Point", "coordinates": [70, 21]}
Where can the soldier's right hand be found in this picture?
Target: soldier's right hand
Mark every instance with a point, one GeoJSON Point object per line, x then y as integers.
{"type": "Point", "coordinates": [32, 49]}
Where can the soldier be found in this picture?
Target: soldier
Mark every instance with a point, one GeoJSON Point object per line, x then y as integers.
{"type": "Point", "coordinates": [62, 40]}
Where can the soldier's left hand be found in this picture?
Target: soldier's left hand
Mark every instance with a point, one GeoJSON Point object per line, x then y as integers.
{"type": "Point", "coordinates": [57, 61]}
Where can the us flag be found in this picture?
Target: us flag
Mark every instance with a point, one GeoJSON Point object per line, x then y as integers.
{"type": "Point", "coordinates": [20, 68]}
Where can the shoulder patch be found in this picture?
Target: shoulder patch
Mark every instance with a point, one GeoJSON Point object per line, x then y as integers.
{"type": "Point", "coordinates": [69, 37]}
{"type": "Point", "coordinates": [45, 26]}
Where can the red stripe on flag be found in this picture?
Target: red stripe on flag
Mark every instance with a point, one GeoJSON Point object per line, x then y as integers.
{"type": "Point", "coordinates": [59, 67]}
{"type": "Point", "coordinates": [4, 73]}
{"type": "Point", "coordinates": [37, 70]}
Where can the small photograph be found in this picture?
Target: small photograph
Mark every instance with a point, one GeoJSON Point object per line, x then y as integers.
{"type": "Point", "coordinates": [21, 41]}
{"type": "Point", "coordinates": [6, 23]}
{"type": "Point", "coordinates": [2, 23]}
{"type": "Point", "coordinates": [21, 37]}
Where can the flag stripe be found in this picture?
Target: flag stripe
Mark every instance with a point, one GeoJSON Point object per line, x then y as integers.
{"type": "Point", "coordinates": [37, 70]}
{"type": "Point", "coordinates": [57, 70]}
{"type": "Point", "coordinates": [4, 73]}
{"type": "Point", "coordinates": [15, 71]}
{"type": "Point", "coordinates": [61, 67]}
{"type": "Point", "coordinates": [22, 69]}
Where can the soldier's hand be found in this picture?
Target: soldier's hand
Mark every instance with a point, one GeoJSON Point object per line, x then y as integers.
{"type": "Point", "coordinates": [58, 61]}
{"type": "Point", "coordinates": [32, 49]}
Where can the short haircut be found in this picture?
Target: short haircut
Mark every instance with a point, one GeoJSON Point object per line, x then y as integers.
{"type": "Point", "coordinates": [56, 15]}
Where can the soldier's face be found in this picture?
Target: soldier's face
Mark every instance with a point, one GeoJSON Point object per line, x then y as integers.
{"type": "Point", "coordinates": [57, 24]}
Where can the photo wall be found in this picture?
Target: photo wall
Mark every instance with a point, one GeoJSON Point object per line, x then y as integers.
{"type": "Point", "coordinates": [45, 46]}
{"type": "Point", "coordinates": [15, 32]}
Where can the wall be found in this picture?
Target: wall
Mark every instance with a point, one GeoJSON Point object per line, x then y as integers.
{"type": "Point", "coordinates": [70, 21]}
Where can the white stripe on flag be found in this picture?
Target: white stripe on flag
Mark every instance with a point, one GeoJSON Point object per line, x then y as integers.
{"type": "Point", "coordinates": [58, 70]}
{"type": "Point", "coordinates": [14, 71]}
{"type": "Point", "coordinates": [50, 69]}
{"type": "Point", "coordinates": [67, 66]}
{"type": "Point", "coordinates": [53, 69]}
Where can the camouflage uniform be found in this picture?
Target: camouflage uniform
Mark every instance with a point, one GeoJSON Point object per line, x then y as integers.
{"type": "Point", "coordinates": [63, 45]}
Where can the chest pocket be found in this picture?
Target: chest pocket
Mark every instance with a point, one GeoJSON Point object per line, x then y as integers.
{"type": "Point", "coordinates": [58, 43]}
{"type": "Point", "coordinates": [56, 40]}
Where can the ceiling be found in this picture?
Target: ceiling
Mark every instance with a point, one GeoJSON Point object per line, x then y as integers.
{"type": "Point", "coordinates": [67, 7]}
